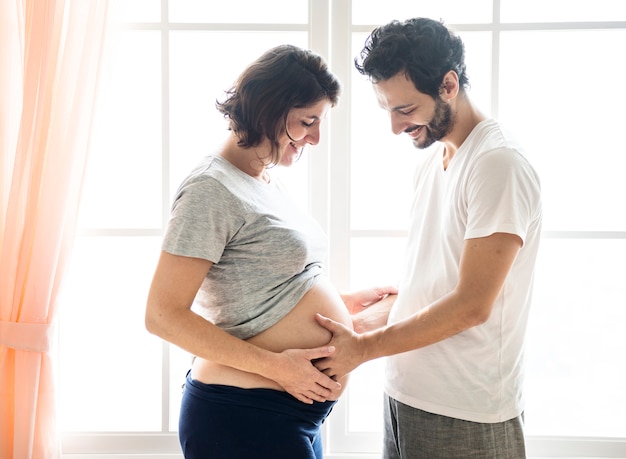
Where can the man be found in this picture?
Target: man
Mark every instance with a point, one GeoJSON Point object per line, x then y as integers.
{"type": "Point", "coordinates": [454, 336]}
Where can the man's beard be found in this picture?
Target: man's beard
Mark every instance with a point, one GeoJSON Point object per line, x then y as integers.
{"type": "Point", "coordinates": [439, 126]}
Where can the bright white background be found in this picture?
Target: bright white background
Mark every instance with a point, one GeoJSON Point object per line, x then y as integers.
{"type": "Point", "coordinates": [552, 71]}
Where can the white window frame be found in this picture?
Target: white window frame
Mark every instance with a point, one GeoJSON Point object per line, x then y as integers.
{"type": "Point", "coordinates": [328, 18]}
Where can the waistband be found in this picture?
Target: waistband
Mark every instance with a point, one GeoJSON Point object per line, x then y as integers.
{"type": "Point", "coordinates": [261, 399]}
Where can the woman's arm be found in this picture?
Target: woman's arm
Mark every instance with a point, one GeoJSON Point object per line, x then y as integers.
{"type": "Point", "coordinates": [169, 316]}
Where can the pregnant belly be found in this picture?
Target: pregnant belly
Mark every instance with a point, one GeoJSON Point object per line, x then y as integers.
{"type": "Point", "coordinates": [297, 330]}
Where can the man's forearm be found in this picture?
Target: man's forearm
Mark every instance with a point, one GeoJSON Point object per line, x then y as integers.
{"type": "Point", "coordinates": [374, 316]}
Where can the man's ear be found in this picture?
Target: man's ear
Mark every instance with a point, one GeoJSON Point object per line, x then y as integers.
{"type": "Point", "coordinates": [450, 85]}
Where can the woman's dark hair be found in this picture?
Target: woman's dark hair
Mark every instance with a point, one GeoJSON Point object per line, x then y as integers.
{"type": "Point", "coordinates": [283, 78]}
{"type": "Point", "coordinates": [422, 48]}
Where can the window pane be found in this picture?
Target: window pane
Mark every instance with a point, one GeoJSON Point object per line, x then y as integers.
{"type": "Point", "coordinates": [123, 180]}
{"type": "Point", "coordinates": [139, 10]}
{"type": "Point", "coordinates": [201, 70]}
{"type": "Point", "coordinates": [240, 11]}
{"type": "Point", "coordinates": [374, 261]}
{"type": "Point", "coordinates": [180, 364]}
{"type": "Point", "coordinates": [552, 99]}
{"type": "Point", "coordinates": [110, 366]}
{"type": "Point", "coordinates": [478, 58]}
{"type": "Point", "coordinates": [365, 397]}
{"type": "Point", "coordinates": [562, 10]}
{"type": "Point", "coordinates": [382, 164]}
{"type": "Point", "coordinates": [451, 11]}
{"type": "Point", "coordinates": [576, 342]}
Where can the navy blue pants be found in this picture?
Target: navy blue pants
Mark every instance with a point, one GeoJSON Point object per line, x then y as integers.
{"type": "Point", "coordinates": [226, 422]}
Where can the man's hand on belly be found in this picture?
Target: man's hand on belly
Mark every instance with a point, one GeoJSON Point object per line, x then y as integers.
{"type": "Point", "coordinates": [347, 355]}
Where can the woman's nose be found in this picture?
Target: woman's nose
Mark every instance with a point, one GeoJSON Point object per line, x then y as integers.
{"type": "Point", "coordinates": [313, 136]}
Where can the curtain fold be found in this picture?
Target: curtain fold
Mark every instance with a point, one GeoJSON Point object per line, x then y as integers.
{"type": "Point", "coordinates": [50, 55]}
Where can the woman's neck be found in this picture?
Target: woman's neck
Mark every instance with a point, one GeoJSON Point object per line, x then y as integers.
{"type": "Point", "coordinates": [247, 160]}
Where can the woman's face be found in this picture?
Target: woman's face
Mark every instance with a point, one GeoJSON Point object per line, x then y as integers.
{"type": "Point", "coordinates": [303, 127]}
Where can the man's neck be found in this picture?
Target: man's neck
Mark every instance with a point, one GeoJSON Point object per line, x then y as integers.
{"type": "Point", "coordinates": [467, 116]}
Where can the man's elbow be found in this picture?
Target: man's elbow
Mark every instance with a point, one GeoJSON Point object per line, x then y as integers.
{"type": "Point", "coordinates": [478, 315]}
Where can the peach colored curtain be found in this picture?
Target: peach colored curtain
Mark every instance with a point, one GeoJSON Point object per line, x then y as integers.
{"type": "Point", "coordinates": [50, 58]}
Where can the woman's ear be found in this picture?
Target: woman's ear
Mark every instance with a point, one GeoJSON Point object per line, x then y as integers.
{"type": "Point", "coordinates": [450, 85]}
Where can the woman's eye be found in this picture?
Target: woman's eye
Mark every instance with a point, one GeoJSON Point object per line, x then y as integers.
{"type": "Point", "coordinates": [305, 124]}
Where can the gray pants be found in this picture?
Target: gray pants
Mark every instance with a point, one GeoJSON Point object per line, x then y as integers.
{"type": "Point", "coordinates": [415, 434]}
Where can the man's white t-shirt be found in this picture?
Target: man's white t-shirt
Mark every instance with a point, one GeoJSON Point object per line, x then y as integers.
{"type": "Point", "coordinates": [488, 187]}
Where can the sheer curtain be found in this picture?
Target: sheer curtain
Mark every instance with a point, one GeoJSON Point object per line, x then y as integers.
{"type": "Point", "coordinates": [50, 55]}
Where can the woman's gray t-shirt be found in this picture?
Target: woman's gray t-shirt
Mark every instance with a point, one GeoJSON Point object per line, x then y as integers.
{"type": "Point", "coordinates": [266, 252]}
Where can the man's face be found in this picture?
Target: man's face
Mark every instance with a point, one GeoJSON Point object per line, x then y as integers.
{"type": "Point", "coordinates": [424, 119]}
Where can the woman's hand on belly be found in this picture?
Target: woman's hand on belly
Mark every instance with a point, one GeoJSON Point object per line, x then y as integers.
{"type": "Point", "coordinates": [298, 339]}
{"type": "Point", "coordinates": [291, 371]}
{"type": "Point", "coordinates": [299, 373]}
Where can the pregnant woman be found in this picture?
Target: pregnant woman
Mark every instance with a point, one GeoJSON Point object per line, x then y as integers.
{"type": "Point", "coordinates": [240, 276]}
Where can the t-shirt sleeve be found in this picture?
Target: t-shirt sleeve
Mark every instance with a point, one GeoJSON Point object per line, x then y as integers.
{"type": "Point", "coordinates": [204, 218]}
{"type": "Point", "coordinates": [503, 194]}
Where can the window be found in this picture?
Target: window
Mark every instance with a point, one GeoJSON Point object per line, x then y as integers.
{"type": "Point", "coordinates": [550, 70]}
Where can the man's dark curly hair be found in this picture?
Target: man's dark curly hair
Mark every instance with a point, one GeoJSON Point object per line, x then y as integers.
{"type": "Point", "coordinates": [423, 48]}
{"type": "Point", "coordinates": [283, 78]}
